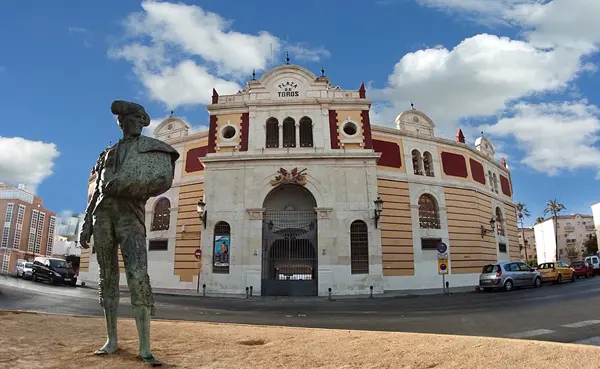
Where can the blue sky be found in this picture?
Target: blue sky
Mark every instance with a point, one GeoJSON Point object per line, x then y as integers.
{"type": "Point", "coordinates": [517, 69]}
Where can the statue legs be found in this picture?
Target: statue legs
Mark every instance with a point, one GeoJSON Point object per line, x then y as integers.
{"type": "Point", "coordinates": [133, 249]}
{"type": "Point", "coordinates": [106, 249]}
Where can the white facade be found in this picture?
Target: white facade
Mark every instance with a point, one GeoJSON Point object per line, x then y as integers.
{"type": "Point", "coordinates": [342, 183]}
{"type": "Point", "coordinates": [596, 215]}
{"type": "Point", "coordinates": [573, 231]}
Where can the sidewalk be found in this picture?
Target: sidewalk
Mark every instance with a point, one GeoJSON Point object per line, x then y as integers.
{"type": "Point", "coordinates": [255, 296]}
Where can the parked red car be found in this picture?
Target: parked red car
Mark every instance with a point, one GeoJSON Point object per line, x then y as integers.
{"type": "Point", "coordinates": [583, 269]}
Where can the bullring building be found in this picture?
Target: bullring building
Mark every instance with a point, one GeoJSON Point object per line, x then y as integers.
{"type": "Point", "coordinates": [292, 191]}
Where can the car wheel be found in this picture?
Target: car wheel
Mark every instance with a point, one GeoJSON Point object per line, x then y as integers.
{"type": "Point", "coordinates": [33, 278]}
{"type": "Point", "coordinates": [537, 283]}
{"type": "Point", "coordinates": [559, 279]}
{"type": "Point", "coordinates": [573, 278]}
{"type": "Point", "coordinates": [508, 285]}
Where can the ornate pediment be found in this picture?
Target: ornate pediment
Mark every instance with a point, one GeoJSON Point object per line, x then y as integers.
{"type": "Point", "coordinates": [292, 176]}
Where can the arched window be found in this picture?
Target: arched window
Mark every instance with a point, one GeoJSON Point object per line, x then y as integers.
{"type": "Point", "coordinates": [495, 182]}
{"type": "Point", "coordinates": [428, 164]}
{"type": "Point", "coordinates": [417, 162]}
{"type": "Point", "coordinates": [272, 133]}
{"type": "Point", "coordinates": [499, 222]}
{"type": "Point", "coordinates": [289, 132]}
{"type": "Point", "coordinates": [306, 133]}
{"type": "Point", "coordinates": [429, 216]}
{"type": "Point", "coordinates": [162, 215]}
{"type": "Point", "coordinates": [221, 247]}
{"type": "Point", "coordinates": [359, 248]}
{"type": "Point", "coordinates": [490, 180]}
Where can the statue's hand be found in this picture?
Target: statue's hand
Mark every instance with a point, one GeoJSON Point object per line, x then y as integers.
{"type": "Point", "coordinates": [85, 235]}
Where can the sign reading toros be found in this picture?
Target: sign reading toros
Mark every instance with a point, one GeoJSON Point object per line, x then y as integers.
{"type": "Point", "coordinates": [289, 89]}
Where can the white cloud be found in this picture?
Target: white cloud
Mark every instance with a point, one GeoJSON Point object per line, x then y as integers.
{"type": "Point", "coordinates": [304, 53]}
{"type": "Point", "coordinates": [182, 52]}
{"type": "Point", "coordinates": [476, 78]}
{"type": "Point", "coordinates": [555, 136]}
{"type": "Point", "coordinates": [487, 78]}
{"type": "Point", "coordinates": [25, 161]}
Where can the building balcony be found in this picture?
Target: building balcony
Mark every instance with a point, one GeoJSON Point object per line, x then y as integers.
{"type": "Point", "coordinates": [569, 229]}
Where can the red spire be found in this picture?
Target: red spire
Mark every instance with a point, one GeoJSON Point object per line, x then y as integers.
{"type": "Point", "coordinates": [362, 92]}
{"type": "Point", "coordinates": [215, 97]}
{"type": "Point", "coordinates": [459, 136]}
{"type": "Point", "coordinates": [503, 162]}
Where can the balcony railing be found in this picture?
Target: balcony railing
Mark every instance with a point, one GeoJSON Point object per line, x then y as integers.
{"type": "Point", "coordinates": [569, 229]}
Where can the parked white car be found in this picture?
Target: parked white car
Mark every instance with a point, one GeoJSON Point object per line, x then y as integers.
{"type": "Point", "coordinates": [595, 261]}
{"type": "Point", "coordinates": [24, 269]}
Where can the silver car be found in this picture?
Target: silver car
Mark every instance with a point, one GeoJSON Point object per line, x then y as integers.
{"type": "Point", "coordinates": [24, 269]}
{"type": "Point", "coordinates": [508, 275]}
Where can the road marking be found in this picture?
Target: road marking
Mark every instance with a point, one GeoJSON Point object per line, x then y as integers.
{"type": "Point", "coordinates": [593, 341]}
{"type": "Point", "coordinates": [584, 323]}
{"type": "Point", "coordinates": [532, 333]}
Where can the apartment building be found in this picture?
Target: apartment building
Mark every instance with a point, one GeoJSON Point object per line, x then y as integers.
{"type": "Point", "coordinates": [27, 227]}
{"type": "Point", "coordinates": [573, 230]}
{"type": "Point", "coordinates": [527, 245]}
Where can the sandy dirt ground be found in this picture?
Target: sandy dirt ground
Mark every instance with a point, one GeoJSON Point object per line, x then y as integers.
{"type": "Point", "coordinates": [40, 341]}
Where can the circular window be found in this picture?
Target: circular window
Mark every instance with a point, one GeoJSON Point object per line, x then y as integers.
{"type": "Point", "coordinates": [170, 126]}
{"type": "Point", "coordinates": [228, 132]}
{"type": "Point", "coordinates": [350, 129]}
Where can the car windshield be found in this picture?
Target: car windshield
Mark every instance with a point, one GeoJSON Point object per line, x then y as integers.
{"type": "Point", "coordinates": [28, 265]}
{"type": "Point", "coordinates": [578, 264]}
{"type": "Point", "coordinates": [58, 263]}
{"type": "Point", "coordinates": [490, 268]}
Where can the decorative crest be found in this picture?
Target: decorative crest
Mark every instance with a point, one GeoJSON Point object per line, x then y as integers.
{"type": "Point", "coordinates": [293, 176]}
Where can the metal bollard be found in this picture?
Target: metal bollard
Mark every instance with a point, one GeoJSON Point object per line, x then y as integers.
{"type": "Point", "coordinates": [329, 293]}
{"type": "Point", "coordinates": [371, 288]}
{"type": "Point", "coordinates": [203, 290]}
{"type": "Point", "coordinates": [247, 292]}
{"type": "Point", "coordinates": [448, 287]}
{"type": "Point", "coordinates": [251, 288]}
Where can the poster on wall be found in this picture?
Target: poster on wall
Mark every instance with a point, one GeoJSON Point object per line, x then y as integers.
{"type": "Point", "coordinates": [221, 254]}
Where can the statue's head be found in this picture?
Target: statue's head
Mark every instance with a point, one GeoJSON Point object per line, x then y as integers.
{"type": "Point", "coordinates": [131, 117]}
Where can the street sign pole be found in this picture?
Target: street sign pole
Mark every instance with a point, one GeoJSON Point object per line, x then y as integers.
{"type": "Point", "coordinates": [442, 256]}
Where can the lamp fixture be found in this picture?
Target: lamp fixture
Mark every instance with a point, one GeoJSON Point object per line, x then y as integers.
{"type": "Point", "coordinates": [485, 231]}
{"type": "Point", "coordinates": [201, 209]}
{"type": "Point", "coordinates": [378, 209]}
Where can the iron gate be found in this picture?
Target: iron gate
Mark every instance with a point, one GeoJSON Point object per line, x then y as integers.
{"type": "Point", "coordinates": [290, 263]}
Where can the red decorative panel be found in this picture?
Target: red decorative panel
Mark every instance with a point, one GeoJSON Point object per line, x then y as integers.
{"type": "Point", "coordinates": [390, 153]}
{"type": "Point", "coordinates": [192, 159]}
{"type": "Point", "coordinates": [454, 164]}
{"type": "Point", "coordinates": [212, 134]}
{"type": "Point", "coordinates": [245, 123]}
{"type": "Point", "coordinates": [477, 171]}
{"type": "Point", "coordinates": [333, 129]}
{"type": "Point", "coordinates": [505, 184]}
{"type": "Point", "coordinates": [366, 121]}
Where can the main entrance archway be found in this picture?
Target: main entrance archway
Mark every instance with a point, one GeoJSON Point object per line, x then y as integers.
{"type": "Point", "coordinates": [289, 262]}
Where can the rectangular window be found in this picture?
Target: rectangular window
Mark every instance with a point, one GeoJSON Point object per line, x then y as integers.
{"type": "Point", "coordinates": [19, 227]}
{"type": "Point", "coordinates": [430, 243]}
{"type": "Point", "coordinates": [158, 245]}
{"type": "Point", "coordinates": [502, 247]}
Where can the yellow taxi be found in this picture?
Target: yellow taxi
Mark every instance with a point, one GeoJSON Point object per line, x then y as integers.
{"type": "Point", "coordinates": [556, 272]}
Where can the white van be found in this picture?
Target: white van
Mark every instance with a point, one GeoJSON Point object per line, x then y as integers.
{"type": "Point", "coordinates": [595, 261]}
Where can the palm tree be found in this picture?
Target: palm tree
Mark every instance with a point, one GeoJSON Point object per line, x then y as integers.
{"type": "Point", "coordinates": [539, 220]}
{"type": "Point", "coordinates": [522, 211]}
{"type": "Point", "coordinates": [554, 207]}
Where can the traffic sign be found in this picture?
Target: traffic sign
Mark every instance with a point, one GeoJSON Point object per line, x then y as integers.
{"type": "Point", "coordinates": [198, 253]}
{"type": "Point", "coordinates": [442, 256]}
{"type": "Point", "coordinates": [442, 248]}
{"type": "Point", "coordinates": [443, 266]}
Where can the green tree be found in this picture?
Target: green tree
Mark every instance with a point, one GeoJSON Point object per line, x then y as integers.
{"type": "Point", "coordinates": [522, 211]}
{"type": "Point", "coordinates": [591, 244]}
{"type": "Point", "coordinates": [538, 220]}
{"type": "Point", "coordinates": [554, 207]}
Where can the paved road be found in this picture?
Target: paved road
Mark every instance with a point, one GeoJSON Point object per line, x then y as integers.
{"type": "Point", "coordinates": [564, 313]}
